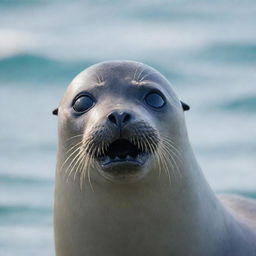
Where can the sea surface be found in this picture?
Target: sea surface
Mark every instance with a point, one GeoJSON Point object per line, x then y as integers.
{"type": "Point", "coordinates": [207, 49]}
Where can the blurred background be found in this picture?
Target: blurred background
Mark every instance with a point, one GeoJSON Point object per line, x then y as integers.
{"type": "Point", "coordinates": [207, 49]}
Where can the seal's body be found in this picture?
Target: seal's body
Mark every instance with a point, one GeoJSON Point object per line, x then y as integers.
{"type": "Point", "coordinates": [127, 181]}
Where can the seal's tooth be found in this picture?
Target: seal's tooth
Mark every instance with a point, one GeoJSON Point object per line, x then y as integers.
{"type": "Point", "coordinates": [128, 157]}
{"type": "Point", "coordinates": [107, 159]}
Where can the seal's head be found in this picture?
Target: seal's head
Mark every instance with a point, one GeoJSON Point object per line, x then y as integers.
{"type": "Point", "coordinates": [118, 119]}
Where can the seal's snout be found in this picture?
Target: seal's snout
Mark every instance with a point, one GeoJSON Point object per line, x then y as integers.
{"type": "Point", "coordinates": [124, 141]}
{"type": "Point", "coordinates": [119, 118]}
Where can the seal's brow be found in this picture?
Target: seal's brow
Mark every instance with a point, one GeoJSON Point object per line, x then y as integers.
{"type": "Point", "coordinates": [148, 85]}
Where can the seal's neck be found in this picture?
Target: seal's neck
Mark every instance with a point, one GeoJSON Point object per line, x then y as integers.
{"type": "Point", "coordinates": [182, 217]}
{"type": "Point", "coordinates": [182, 209]}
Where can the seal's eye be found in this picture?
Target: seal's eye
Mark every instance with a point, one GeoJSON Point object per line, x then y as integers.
{"type": "Point", "coordinates": [154, 100]}
{"type": "Point", "coordinates": [83, 103]}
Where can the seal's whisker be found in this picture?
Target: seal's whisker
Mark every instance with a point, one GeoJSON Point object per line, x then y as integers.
{"type": "Point", "coordinates": [168, 146]}
{"type": "Point", "coordinates": [83, 163]}
{"type": "Point", "coordinates": [139, 71]}
{"type": "Point", "coordinates": [172, 157]}
{"type": "Point", "coordinates": [89, 146]}
{"type": "Point", "coordinates": [143, 78]}
{"type": "Point", "coordinates": [172, 163]}
{"type": "Point", "coordinates": [156, 155]}
{"type": "Point", "coordinates": [72, 147]}
{"type": "Point", "coordinates": [175, 157]}
{"type": "Point", "coordinates": [80, 166]}
{"type": "Point", "coordinates": [66, 160]}
{"type": "Point", "coordinates": [159, 152]}
{"type": "Point", "coordinates": [78, 162]}
{"type": "Point", "coordinates": [172, 153]}
{"type": "Point", "coordinates": [88, 174]}
{"type": "Point", "coordinates": [142, 70]}
{"type": "Point", "coordinates": [97, 151]}
{"type": "Point", "coordinates": [90, 159]}
{"type": "Point", "coordinates": [101, 148]}
{"type": "Point", "coordinates": [87, 159]}
{"type": "Point", "coordinates": [168, 139]}
{"type": "Point", "coordinates": [138, 142]}
{"type": "Point", "coordinates": [135, 73]}
{"type": "Point", "coordinates": [164, 163]}
{"type": "Point", "coordinates": [86, 170]}
{"type": "Point", "coordinates": [171, 144]}
{"type": "Point", "coordinates": [73, 154]}
{"type": "Point", "coordinates": [73, 160]}
{"type": "Point", "coordinates": [101, 78]}
{"type": "Point", "coordinates": [104, 147]}
{"type": "Point", "coordinates": [72, 138]}
{"type": "Point", "coordinates": [142, 145]}
{"type": "Point", "coordinates": [151, 146]}
{"type": "Point", "coordinates": [154, 143]}
{"type": "Point", "coordinates": [148, 146]}
{"type": "Point", "coordinates": [98, 78]}
{"type": "Point", "coordinates": [78, 159]}
{"type": "Point", "coordinates": [157, 163]}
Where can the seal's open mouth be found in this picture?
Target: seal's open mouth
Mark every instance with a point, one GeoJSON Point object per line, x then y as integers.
{"type": "Point", "coordinates": [122, 151]}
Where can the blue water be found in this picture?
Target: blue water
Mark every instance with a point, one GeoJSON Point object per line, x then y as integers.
{"type": "Point", "coordinates": [207, 49]}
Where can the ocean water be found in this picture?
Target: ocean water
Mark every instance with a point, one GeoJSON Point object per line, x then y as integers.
{"type": "Point", "coordinates": [206, 49]}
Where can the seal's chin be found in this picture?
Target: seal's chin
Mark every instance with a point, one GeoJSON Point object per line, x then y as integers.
{"type": "Point", "coordinates": [121, 154]}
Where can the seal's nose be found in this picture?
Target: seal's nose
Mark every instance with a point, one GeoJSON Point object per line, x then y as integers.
{"type": "Point", "coordinates": [119, 118]}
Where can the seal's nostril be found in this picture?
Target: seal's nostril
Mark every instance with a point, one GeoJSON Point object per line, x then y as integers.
{"type": "Point", "coordinates": [126, 118]}
{"type": "Point", "coordinates": [112, 118]}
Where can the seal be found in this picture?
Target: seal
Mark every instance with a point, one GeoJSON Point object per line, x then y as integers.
{"type": "Point", "coordinates": [127, 180]}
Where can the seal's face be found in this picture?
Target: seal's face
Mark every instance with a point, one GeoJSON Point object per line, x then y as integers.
{"type": "Point", "coordinates": [113, 113]}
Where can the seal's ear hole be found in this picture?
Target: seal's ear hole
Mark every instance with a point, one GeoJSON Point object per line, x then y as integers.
{"type": "Point", "coordinates": [55, 112]}
{"type": "Point", "coordinates": [185, 106]}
